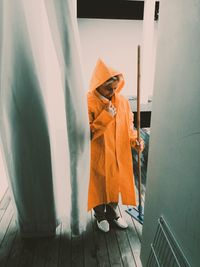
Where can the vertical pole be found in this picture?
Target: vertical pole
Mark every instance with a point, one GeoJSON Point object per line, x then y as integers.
{"type": "Point", "coordinates": [138, 213]}
{"type": "Point", "coordinates": [138, 131]}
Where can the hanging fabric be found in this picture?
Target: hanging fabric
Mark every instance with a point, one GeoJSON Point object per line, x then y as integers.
{"type": "Point", "coordinates": [32, 68]}
{"type": "Point", "coordinates": [64, 30]}
{"type": "Point", "coordinates": [24, 129]}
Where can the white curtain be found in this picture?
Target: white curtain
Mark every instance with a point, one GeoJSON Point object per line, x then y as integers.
{"type": "Point", "coordinates": [43, 115]}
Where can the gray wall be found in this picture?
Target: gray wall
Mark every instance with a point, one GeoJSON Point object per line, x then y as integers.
{"type": "Point", "coordinates": [173, 187]}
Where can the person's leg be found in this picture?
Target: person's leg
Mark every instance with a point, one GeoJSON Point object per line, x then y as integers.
{"type": "Point", "coordinates": [112, 214]}
{"type": "Point", "coordinates": [112, 211]}
{"type": "Point", "coordinates": [99, 212]}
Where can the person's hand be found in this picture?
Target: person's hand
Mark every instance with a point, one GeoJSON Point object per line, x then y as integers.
{"type": "Point", "coordinates": [139, 145]}
{"type": "Point", "coordinates": [111, 109]}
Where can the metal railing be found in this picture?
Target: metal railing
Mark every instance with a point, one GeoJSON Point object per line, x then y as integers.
{"type": "Point", "coordinates": [165, 250]}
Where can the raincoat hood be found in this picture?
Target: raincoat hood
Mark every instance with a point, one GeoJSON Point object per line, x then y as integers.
{"type": "Point", "coordinates": [102, 73]}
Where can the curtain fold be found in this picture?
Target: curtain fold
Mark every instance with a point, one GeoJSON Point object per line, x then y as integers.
{"type": "Point", "coordinates": [29, 128]}
{"type": "Point", "coordinates": [64, 30]}
{"type": "Point", "coordinates": [24, 129]}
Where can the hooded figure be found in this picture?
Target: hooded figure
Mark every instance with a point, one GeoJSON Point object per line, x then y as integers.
{"type": "Point", "coordinates": [112, 135]}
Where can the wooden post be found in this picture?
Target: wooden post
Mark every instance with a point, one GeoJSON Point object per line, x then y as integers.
{"type": "Point", "coordinates": [137, 213]}
{"type": "Point", "coordinates": [138, 129]}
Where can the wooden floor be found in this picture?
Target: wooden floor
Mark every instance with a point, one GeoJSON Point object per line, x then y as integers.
{"type": "Point", "coordinates": [92, 248]}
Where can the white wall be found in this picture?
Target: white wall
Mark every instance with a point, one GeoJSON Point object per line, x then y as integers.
{"type": "Point", "coordinates": [173, 173]}
{"type": "Point", "coordinates": [115, 41]}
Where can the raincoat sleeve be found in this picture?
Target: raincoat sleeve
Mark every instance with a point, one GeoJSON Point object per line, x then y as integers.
{"type": "Point", "coordinates": [132, 132]}
{"type": "Point", "coordinates": [99, 124]}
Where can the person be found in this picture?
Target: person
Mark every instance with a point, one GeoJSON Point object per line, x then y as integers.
{"type": "Point", "coordinates": [112, 135]}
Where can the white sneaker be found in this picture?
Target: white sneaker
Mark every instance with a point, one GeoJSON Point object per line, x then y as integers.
{"type": "Point", "coordinates": [103, 226]}
{"type": "Point", "coordinates": [121, 223]}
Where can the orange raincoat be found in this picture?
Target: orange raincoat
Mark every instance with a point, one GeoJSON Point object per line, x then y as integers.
{"type": "Point", "coordinates": [111, 169]}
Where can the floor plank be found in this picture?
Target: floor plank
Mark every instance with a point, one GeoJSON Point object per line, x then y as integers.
{"type": "Point", "coordinates": [113, 248]}
{"type": "Point", "coordinates": [132, 236]}
{"type": "Point", "coordinates": [101, 250]}
{"type": "Point", "coordinates": [6, 244]}
{"type": "Point", "coordinates": [77, 257]}
{"type": "Point", "coordinates": [4, 202]}
{"type": "Point", "coordinates": [5, 221]}
{"type": "Point", "coordinates": [65, 245]}
{"type": "Point", "coordinates": [27, 252]}
{"type": "Point", "coordinates": [41, 248]}
{"type": "Point", "coordinates": [1, 214]}
{"type": "Point", "coordinates": [138, 228]}
{"type": "Point", "coordinates": [14, 256]}
{"type": "Point", "coordinates": [52, 253]}
{"type": "Point", "coordinates": [90, 256]}
{"type": "Point", "coordinates": [124, 246]}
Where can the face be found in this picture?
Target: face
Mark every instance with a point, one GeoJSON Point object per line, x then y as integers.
{"type": "Point", "coordinates": [108, 90]}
